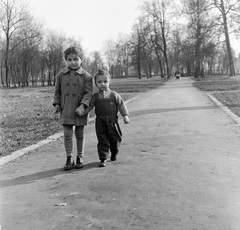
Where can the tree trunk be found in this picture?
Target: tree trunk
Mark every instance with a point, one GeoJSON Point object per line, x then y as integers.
{"type": "Point", "coordinates": [229, 50]}
{"type": "Point", "coordinates": [160, 64]}
{"type": "Point", "coordinates": [3, 83]}
{"type": "Point", "coordinates": [139, 57]}
{"type": "Point", "coordinates": [165, 55]}
{"type": "Point", "coordinates": [6, 69]}
{"type": "Point", "coordinates": [198, 54]}
{"type": "Point", "coordinates": [6, 58]}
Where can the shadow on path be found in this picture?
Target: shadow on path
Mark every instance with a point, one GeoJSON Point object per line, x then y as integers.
{"type": "Point", "coordinates": [177, 86]}
{"type": "Point", "coordinates": [43, 175]}
{"type": "Point", "coordinates": [164, 110]}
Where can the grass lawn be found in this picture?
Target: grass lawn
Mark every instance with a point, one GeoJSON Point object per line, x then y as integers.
{"type": "Point", "coordinates": [26, 114]}
{"type": "Point", "coordinates": [223, 88]}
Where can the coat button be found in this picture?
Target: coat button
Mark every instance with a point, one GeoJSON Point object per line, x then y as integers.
{"type": "Point", "coordinates": [75, 84]}
{"type": "Point", "coordinates": [74, 95]}
{"type": "Point", "coordinates": [68, 84]}
{"type": "Point", "coordinates": [67, 94]}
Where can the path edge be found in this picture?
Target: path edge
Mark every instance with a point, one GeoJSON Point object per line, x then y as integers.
{"type": "Point", "coordinates": [224, 108]}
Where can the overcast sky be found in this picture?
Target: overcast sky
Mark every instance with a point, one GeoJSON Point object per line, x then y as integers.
{"type": "Point", "coordinates": [94, 21]}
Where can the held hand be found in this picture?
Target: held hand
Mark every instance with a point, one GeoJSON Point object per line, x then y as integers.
{"type": "Point", "coordinates": [57, 109]}
{"type": "Point", "coordinates": [126, 120]}
{"type": "Point", "coordinates": [80, 110]}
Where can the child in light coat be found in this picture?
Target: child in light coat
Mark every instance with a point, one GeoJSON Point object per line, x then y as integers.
{"type": "Point", "coordinates": [73, 89]}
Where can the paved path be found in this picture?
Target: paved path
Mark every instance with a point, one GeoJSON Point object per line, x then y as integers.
{"type": "Point", "coordinates": [179, 169]}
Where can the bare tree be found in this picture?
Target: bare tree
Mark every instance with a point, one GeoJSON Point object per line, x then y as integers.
{"type": "Point", "coordinates": [226, 8]}
{"type": "Point", "coordinates": [201, 29]}
{"type": "Point", "coordinates": [25, 47]}
{"type": "Point", "coordinates": [159, 13]}
{"type": "Point", "coordinates": [123, 52]}
{"type": "Point", "coordinates": [147, 47]}
{"type": "Point", "coordinates": [96, 62]}
{"type": "Point", "coordinates": [110, 54]}
{"type": "Point", "coordinates": [136, 49]}
{"type": "Point", "coordinates": [2, 61]}
{"type": "Point", "coordinates": [54, 49]}
{"type": "Point", "coordinates": [12, 14]}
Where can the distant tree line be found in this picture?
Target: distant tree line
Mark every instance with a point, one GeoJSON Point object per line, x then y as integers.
{"type": "Point", "coordinates": [190, 35]}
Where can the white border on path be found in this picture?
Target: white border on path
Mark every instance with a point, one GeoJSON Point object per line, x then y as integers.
{"type": "Point", "coordinates": [55, 137]}
{"type": "Point", "coordinates": [224, 108]}
{"type": "Point", "coordinates": [21, 152]}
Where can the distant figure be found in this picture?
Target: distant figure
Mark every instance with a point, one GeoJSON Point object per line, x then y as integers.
{"type": "Point", "coordinates": [107, 103]}
{"type": "Point", "coordinates": [178, 75]}
{"type": "Point", "coordinates": [73, 89]}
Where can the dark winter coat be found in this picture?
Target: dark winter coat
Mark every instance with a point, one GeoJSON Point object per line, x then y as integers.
{"type": "Point", "coordinates": [72, 89]}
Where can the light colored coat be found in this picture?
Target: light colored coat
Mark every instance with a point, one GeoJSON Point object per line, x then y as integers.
{"type": "Point", "coordinates": [72, 89]}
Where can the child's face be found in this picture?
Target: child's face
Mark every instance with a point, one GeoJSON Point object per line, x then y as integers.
{"type": "Point", "coordinates": [102, 82]}
{"type": "Point", "coordinates": [73, 61]}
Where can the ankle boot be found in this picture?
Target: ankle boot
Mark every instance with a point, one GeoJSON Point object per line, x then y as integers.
{"type": "Point", "coordinates": [79, 162]}
{"type": "Point", "coordinates": [69, 163]}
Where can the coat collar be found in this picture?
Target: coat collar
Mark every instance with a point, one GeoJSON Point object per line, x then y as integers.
{"type": "Point", "coordinates": [79, 71]}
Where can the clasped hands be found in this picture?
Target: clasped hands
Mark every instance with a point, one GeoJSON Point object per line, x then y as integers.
{"type": "Point", "coordinates": [80, 111]}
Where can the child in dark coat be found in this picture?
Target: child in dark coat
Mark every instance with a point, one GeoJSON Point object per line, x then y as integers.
{"type": "Point", "coordinates": [73, 89]}
{"type": "Point", "coordinates": [107, 104]}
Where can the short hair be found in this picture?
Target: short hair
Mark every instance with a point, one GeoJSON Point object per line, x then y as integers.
{"type": "Point", "coordinates": [72, 50]}
{"type": "Point", "coordinates": [101, 72]}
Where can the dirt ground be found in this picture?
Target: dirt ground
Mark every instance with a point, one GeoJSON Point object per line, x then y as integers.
{"type": "Point", "coordinates": [179, 169]}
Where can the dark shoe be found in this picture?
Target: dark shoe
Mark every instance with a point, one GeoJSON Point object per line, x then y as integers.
{"type": "Point", "coordinates": [102, 163]}
{"type": "Point", "coordinates": [69, 164]}
{"type": "Point", "coordinates": [113, 158]}
{"type": "Point", "coordinates": [79, 163]}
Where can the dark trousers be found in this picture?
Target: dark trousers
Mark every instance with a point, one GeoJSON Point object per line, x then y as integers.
{"type": "Point", "coordinates": [108, 137]}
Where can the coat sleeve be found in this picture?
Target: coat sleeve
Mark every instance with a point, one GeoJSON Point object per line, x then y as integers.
{"type": "Point", "coordinates": [91, 105]}
{"type": "Point", "coordinates": [88, 90]}
{"type": "Point", "coordinates": [121, 105]}
{"type": "Point", "coordinates": [57, 92]}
